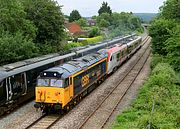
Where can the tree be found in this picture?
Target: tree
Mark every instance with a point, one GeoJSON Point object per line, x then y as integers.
{"type": "Point", "coordinates": [171, 10]}
{"type": "Point", "coordinates": [16, 47]}
{"type": "Point", "coordinates": [94, 32]}
{"type": "Point", "coordinates": [104, 20]}
{"type": "Point", "coordinates": [135, 22]}
{"type": "Point", "coordinates": [74, 16]}
{"type": "Point", "coordinates": [48, 18]}
{"type": "Point", "coordinates": [160, 31]}
{"type": "Point", "coordinates": [13, 19]}
{"type": "Point", "coordinates": [105, 9]}
{"type": "Point", "coordinates": [173, 48]}
{"type": "Point", "coordinates": [82, 22]}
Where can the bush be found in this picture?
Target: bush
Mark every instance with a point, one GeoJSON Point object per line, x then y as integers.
{"type": "Point", "coordinates": [72, 45]}
{"type": "Point", "coordinates": [160, 90]}
{"type": "Point", "coordinates": [94, 32]}
{"type": "Point", "coordinates": [156, 58]}
{"type": "Point", "coordinates": [92, 40]}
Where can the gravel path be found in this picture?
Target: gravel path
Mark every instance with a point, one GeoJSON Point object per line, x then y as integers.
{"type": "Point", "coordinates": [27, 114]}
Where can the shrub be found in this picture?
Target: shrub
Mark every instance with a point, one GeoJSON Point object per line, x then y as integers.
{"type": "Point", "coordinates": [92, 40]}
{"type": "Point", "coordinates": [72, 45]}
{"type": "Point", "coordinates": [159, 90]}
{"type": "Point", "coordinates": [156, 58]}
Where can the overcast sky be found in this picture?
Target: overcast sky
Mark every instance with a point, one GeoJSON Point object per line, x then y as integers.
{"type": "Point", "coordinates": [90, 7]}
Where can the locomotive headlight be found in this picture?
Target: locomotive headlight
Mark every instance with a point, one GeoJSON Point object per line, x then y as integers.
{"type": "Point", "coordinates": [44, 74]}
{"type": "Point", "coordinates": [57, 93]}
{"type": "Point", "coordinates": [54, 74]}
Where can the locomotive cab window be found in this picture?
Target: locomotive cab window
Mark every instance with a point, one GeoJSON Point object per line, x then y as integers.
{"type": "Point", "coordinates": [66, 83]}
{"type": "Point", "coordinates": [56, 83]}
{"type": "Point", "coordinates": [43, 82]}
{"type": "Point", "coordinates": [53, 82]}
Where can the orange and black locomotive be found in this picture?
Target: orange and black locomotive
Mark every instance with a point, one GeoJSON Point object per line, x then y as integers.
{"type": "Point", "coordinates": [59, 87]}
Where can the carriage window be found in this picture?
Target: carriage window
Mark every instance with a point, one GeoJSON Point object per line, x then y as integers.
{"type": "Point", "coordinates": [43, 82]}
{"type": "Point", "coordinates": [118, 56]}
{"type": "Point", "coordinates": [17, 82]}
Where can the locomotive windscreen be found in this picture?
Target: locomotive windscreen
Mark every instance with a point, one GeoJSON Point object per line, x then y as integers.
{"type": "Point", "coordinates": [50, 82]}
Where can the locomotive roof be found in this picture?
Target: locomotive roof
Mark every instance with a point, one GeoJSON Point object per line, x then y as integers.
{"type": "Point", "coordinates": [74, 66]}
{"type": "Point", "coordinates": [22, 66]}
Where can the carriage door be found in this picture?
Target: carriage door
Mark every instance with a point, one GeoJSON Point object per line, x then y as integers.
{"type": "Point", "coordinates": [3, 91]}
{"type": "Point", "coordinates": [17, 85]}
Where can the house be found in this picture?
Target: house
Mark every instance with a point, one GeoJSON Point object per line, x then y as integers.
{"type": "Point", "coordinates": [74, 29]}
{"type": "Point", "coordinates": [91, 22]}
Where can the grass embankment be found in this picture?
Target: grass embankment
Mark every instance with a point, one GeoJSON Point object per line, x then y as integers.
{"type": "Point", "coordinates": [83, 43]}
{"type": "Point", "coordinates": [157, 105]}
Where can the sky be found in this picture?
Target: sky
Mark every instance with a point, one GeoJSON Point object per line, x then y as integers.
{"type": "Point", "coordinates": [89, 8]}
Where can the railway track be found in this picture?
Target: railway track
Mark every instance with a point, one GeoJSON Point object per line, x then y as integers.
{"type": "Point", "coordinates": [47, 121]}
{"type": "Point", "coordinates": [100, 116]}
{"type": "Point", "coordinates": [44, 122]}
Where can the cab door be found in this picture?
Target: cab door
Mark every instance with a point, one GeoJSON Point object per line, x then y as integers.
{"type": "Point", "coordinates": [71, 87]}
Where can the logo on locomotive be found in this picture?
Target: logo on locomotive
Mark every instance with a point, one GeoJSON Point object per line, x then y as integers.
{"type": "Point", "coordinates": [85, 80]}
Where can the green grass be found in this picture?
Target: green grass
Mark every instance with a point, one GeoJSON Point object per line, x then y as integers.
{"type": "Point", "coordinates": [160, 90]}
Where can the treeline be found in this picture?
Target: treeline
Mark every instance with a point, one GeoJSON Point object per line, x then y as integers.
{"type": "Point", "coordinates": [119, 23]}
{"type": "Point", "coordinates": [29, 28]}
{"type": "Point", "coordinates": [157, 105]}
{"type": "Point", "coordinates": [109, 23]}
{"type": "Point", "coordinates": [165, 33]}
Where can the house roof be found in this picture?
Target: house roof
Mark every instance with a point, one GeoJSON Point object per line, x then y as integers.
{"type": "Point", "coordinates": [73, 27]}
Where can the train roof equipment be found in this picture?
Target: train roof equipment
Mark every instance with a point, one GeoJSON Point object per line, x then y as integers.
{"type": "Point", "coordinates": [71, 67]}
{"type": "Point", "coordinates": [22, 66]}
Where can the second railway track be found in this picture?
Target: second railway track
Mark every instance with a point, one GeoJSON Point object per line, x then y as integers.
{"type": "Point", "coordinates": [44, 122]}
{"type": "Point", "coordinates": [100, 116]}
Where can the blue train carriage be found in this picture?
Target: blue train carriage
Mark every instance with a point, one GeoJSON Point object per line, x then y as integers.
{"type": "Point", "coordinates": [60, 87]}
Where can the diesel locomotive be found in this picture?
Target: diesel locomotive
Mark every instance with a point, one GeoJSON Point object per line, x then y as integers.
{"type": "Point", "coordinates": [60, 87]}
